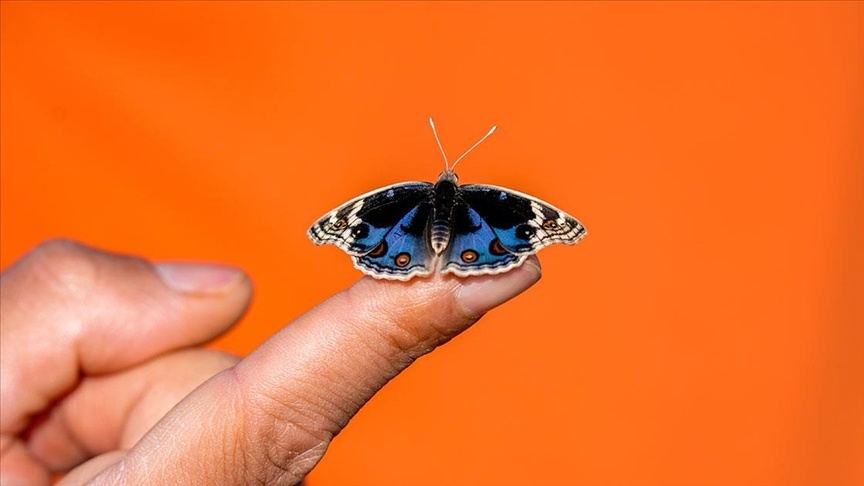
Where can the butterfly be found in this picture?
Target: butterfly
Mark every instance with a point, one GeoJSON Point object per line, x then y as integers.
{"type": "Point", "coordinates": [411, 229]}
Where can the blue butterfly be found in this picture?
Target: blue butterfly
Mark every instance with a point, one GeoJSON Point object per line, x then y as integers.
{"type": "Point", "coordinates": [413, 228]}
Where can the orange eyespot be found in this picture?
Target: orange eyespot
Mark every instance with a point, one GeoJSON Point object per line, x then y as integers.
{"type": "Point", "coordinates": [340, 224]}
{"type": "Point", "coordinates": [550, 224]}
{"type": "Point", "coordinates": [379, 250]}
{"type": "Point", "coordinates": [469, 256]}
{"type": "Point", "coordinates": [402, 260]}
{"type": "Point", "coordinates": [496, 248]}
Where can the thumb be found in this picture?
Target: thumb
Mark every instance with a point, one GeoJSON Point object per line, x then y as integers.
{"type": "Point", "coordinates": [69, 312]}
{"type": "Point", "coordinates": [271, 418]}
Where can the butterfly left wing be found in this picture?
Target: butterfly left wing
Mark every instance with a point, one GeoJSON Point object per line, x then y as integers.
{"type": "Point", "coordinates": [360, 225]}
{"type": "Point", "coordinates": [382, 230]}
{"type": "Point", "coordinates": [404, 252]}
{"type": "Point", "coordinates": [501, 227]}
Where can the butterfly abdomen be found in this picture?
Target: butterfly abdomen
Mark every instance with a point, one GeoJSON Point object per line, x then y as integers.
{"type": "Point", "coordinates": [440, 224]}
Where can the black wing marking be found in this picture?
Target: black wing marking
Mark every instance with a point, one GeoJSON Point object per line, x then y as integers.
{"type": "Point", "coordinates": [523, 223]}
{"type": "Point", "coordinates": [359, 225]}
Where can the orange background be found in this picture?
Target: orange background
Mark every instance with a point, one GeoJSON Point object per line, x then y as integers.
{"type": "Point", "coordinates": [708, 331]}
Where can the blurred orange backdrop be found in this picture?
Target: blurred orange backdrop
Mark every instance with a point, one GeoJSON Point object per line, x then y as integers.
{"type": "Point", "coordinates": [710, 329]}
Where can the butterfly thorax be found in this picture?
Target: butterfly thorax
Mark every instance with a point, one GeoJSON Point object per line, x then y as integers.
{"type": "Point", "coordinates": [443, 200]}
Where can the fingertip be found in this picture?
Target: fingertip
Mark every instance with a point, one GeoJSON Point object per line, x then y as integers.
{"type": "Point", "coordinates": [479, 295]}
{"type": "Point", "coordinates": [200, 278]}
{"type": "Point", "coordinates": [464, 299]}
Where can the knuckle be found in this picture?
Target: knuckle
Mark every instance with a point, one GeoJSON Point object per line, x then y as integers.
{"type": "Point", "coordinates": [404, 323]}
{"type": "Point", "coordinates": [72, 270]}
{"type": "Point", "coordinates": [64, 266]}
{"type": "Point", "coordinates": [283, 464]}
{"type": "Point", "coordinates": [287, 436]}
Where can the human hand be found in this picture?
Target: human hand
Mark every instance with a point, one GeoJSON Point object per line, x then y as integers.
{"type": "Point", "coordinates": [100, 367]}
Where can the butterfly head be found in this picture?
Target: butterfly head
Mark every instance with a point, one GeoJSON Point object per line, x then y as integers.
{"type": "Point", "coordinates": [449, 175]}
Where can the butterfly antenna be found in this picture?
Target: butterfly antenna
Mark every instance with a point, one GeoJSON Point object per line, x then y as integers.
{"type": "Point", "coordinates": [440, 147]}
{"type": "Point", "coordinates": [490, 132]}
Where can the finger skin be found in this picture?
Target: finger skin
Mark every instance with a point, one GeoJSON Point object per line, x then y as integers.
{"type": "Point", "coordinates": [114, 411]}
{"type": "Point", "coordinates": [271, 418]}
{"type": "Point", "coordinates": [69, 312]}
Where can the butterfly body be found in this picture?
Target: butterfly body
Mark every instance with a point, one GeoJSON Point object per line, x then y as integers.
{"type": "Point", "coordinates": [415, 228]}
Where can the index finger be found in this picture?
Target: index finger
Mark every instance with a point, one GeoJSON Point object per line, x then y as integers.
{"type": "Point", "coordinates": [271, 418]}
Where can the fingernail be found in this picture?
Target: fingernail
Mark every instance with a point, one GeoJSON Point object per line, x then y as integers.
{"type": "Point", "coordinates": [479, 295]}
{"type": "Point", "coordinates": [197, 278]}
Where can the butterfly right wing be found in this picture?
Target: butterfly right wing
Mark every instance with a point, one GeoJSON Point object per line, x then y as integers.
{"type": "Point", "coordinates": [382, 230]}
{"type": "Point", "coordinates": [523, 223]}
{"type": "Point", "coordinates": [475, 247]}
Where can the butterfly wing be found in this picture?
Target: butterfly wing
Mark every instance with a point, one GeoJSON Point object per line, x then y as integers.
{"type": "Point", "coordinates": [404, 251]}
{"type": "Point", "coordinates": [512, 225]}
{"type": "Point", "coordinates": [475, 248]}
{"type": "Point", "coordinates": [377, 228]}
